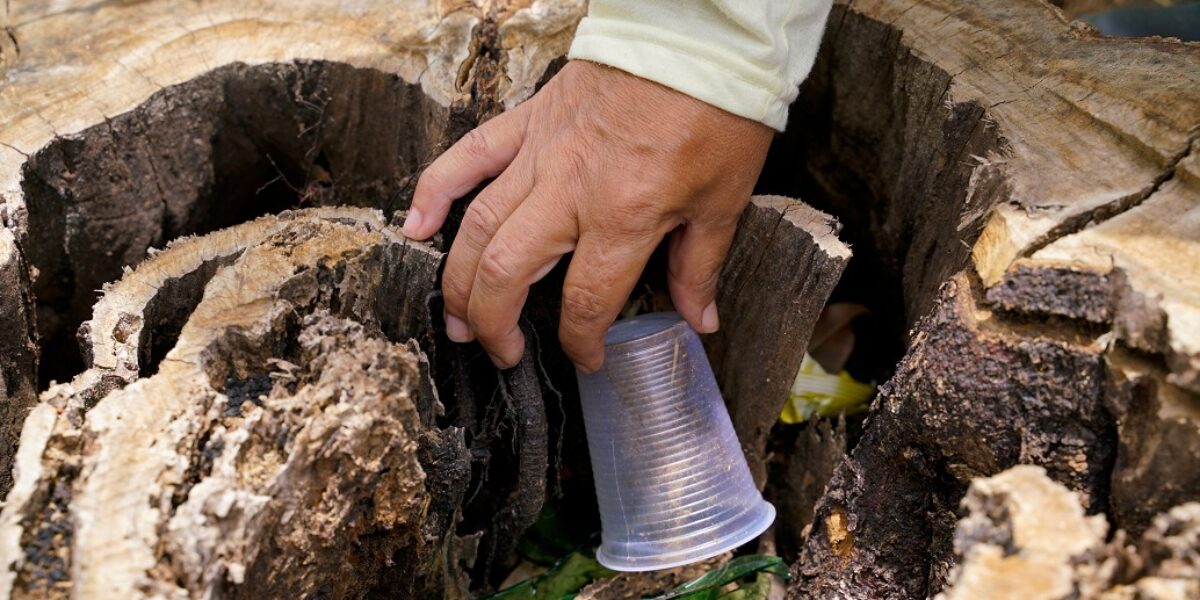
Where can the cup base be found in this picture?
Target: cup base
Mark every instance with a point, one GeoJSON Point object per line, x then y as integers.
{"type": "Point", "coordinates": [765, 515]}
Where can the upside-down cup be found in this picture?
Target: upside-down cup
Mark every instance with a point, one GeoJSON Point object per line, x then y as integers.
{"type": "Point", "coordinates": [671, 480]}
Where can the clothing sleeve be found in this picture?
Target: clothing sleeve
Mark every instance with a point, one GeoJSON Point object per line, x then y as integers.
{"type": "Point", "coordinates": [745, 56]}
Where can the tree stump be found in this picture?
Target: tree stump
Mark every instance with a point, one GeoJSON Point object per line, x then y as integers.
{"type": "Point", "coordinates": [248, 415]}
{"type": "Point", "coordinates": [1029, 192]}
{"type": "Point", "coordinates": [265, 406]}
{"type": "Point", "coordinates": [1021, 194]}
{"type": "Point", "coordinates": [276, 441]}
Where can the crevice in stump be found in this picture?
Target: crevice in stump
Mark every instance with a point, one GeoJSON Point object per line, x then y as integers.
{"type": "Point", "coordinates": [236, 143]}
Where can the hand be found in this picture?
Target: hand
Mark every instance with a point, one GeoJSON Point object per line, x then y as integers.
{"type": "Point", "coordinates": [604, 164]}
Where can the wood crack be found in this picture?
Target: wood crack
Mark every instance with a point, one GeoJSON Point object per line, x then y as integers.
{"type": "Point", "coordinates": [1078, 223]}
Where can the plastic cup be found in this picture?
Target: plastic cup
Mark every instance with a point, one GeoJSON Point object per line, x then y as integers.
{"type": "Point", "coordinates": [671, 479]}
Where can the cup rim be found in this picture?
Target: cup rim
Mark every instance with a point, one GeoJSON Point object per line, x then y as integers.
{"type": "Point", "coordinates": [671, 317]}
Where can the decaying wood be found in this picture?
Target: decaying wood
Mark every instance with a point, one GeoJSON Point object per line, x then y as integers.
{"type": "Point", "coordinates": [275, 445]}
{"type": "Point", "coordinates": [200, 118]}
{"type": "Point", "coordinates": [781, 268]}
{"type": "Point", "coordinates": [18, 352]}
{"type": "Point", "coordinates": [1026, 191]}
{"type": "Point", "coordinates": [1033, 199]}
{"type": "Point", "coordinates": [798, 476]}
{"type": "Point", "coordinates": [634, 586]}
{"type": "Point", "coordinates": [203, 118]}
{"type": "Point", "coordinates": [967, 401]}
{"type": "Point", "coordinates": [1025, 536]}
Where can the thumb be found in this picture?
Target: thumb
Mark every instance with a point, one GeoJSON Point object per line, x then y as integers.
{"type": "Point", "coordinates": [695, 256]}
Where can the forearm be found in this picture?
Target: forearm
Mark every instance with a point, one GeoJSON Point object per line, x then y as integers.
{"type": "Point", "coordinates": [745, 56]}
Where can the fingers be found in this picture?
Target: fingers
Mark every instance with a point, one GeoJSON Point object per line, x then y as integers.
{"type": "Point", "coordinates": [484, 152]}
{"type": "Point", "coordinates": [694, 262]}
{"type": "Point", "coordinates": [484, 216]}
{"type": "Point", "coordinates": [603, 272]}
{"type": "Point", "coordinates": [523, 251]}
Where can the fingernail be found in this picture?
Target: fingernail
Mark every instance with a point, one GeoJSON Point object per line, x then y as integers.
{"type": "Point", "coordinates": [412, 225]}
{"type": "Point", "coordinates": [457, 330]}
{"type": "Point", "coordinates": [709, 321]}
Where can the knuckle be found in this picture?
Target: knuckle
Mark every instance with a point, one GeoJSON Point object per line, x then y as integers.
{"type": "Point", "coordinates": [430, 183]}
{"type": "Point", "coordinates": [577, 156]}
{"type": "Point", "coordinates": [487, 331]}
{"type": "Point", "coordinates": [491, 330]}
{"type": "Point", "coordinates": [582, 305]}
{"type": "Point", "coordinates": [479, 221]}
{"type": "Point", "coordinates": [476, 143]}
{"type": "Point", "coordinates": [496, 265]}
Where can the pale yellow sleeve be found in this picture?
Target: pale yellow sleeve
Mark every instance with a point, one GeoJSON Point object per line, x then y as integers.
{"type": "Point", "coordinates": [745, 56]}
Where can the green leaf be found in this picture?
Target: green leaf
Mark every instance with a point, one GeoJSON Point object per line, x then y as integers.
{"type": "Point", "coordinates": [708, 586]}
{"type": "Point", "coordinates": [566, 577]}
{"type": "Point", "coordinates": [759, 589]}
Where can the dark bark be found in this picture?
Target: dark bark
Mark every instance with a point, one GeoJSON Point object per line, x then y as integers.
{"type": "Point", "coordinates": [782, 266]}
{"type": "Point", "coordinates": [970, 400]}
{"type": "Point", "coordinates": [226, 147]}
{"type": "Point", "coordinates": [18, 353]}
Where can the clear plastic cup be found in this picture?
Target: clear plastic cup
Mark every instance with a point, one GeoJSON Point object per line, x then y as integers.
{"type": "Point", "coordinates": [671, 479]}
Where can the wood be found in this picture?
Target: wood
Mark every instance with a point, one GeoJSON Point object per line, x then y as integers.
{"type": "Point", "coordinates": [1025, 536]}
{"type": "Point", "coordinates": [197, 121]}
{"type": "Point", "coordinates": [781, 268]}
{"type": "Point", "coordinates": [799, 471]}
{"type": "Point", "coordinates": [1027, 191]}
{"type": "Point", "coordinates": [1021, 194]}
{"type": "Point", "coordinates": [18, 352]}
{"type": "Point", "coordinates": [201, 124]}
{"type": "Point", "coordinates": [273, 451]}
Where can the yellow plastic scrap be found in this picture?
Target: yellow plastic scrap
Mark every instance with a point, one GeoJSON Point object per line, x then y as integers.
{"type": "Point", "coordinates": [815, 392]}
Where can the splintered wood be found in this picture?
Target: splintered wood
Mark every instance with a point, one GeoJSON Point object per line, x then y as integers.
{"type": "Point", "coordinates": [246, 405]}
{"type": "Point", "coordinates": [276, 442]}
{"type": "Point", "coordinates": [1034, 195]}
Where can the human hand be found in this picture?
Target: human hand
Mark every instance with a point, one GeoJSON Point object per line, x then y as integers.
{"type": "Point", "coordinates": [602, 163]}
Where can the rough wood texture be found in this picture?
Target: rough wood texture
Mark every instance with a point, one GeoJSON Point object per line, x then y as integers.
{"type": "Point", "coordinates": [18, 352]}
{"type": "Point", "coordinates": [798, 475]}
{"type": "Point", "coordinates": [274, 450]}
{"type": "Point", "coordinates": [200, 118]}
{"type": "Point", "coordinates": [1049, 176]}
{"type": "Point", "coordinates": [208, 115]}
{"type": "Point", "coordinates": [1025, 191]}
{"type": "Point", "coordinates": [1026, 537]}
{"type": "Point", "coordinates": [781, 268]}
{"type": "Point", "coordinates": [968, 400]}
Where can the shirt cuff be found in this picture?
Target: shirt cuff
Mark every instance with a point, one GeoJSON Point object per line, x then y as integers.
{"type": "Point", "coordinates": [685, 65]}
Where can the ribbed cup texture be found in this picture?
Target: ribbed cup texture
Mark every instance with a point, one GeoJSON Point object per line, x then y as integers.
{"type": "Point", "coordinates": [671, 479]}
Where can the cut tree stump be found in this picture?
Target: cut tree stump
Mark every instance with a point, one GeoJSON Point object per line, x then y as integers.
{"type": "Point", "coordinates": [1030, 193]}
{"type": "Point", "coordinates": [237, 428]}
{"type": "Point", "coordinates": [1022, 192]}
{"type": "Point", "coordinates": [265, 406]}
{"type": "Point", "coordinates": [276, 442]}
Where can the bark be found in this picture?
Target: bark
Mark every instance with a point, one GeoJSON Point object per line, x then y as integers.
{"type": "Point", "coordinates": [274, 449]}
{"type": "Point", "coordinates": [782, 267]}
{"type": "Point", "coordinates": [1013, 168]}
{"type": "Point", "coordinates": [1021, 194]}
{"type": "Point", "coordinates": [18, 352]}
{"type": "Point", "coordinates": [800, 470]}
{"type": "Point", "coordinates": [1025, 536]}
{"type": "Point", "coordinates": [252, 411]}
